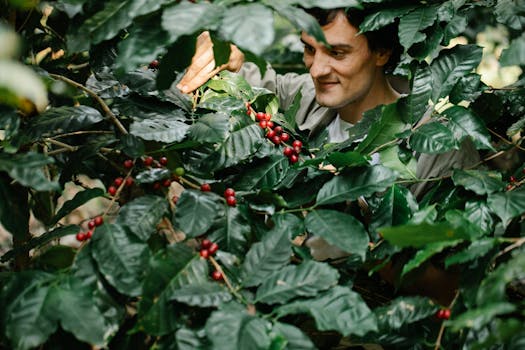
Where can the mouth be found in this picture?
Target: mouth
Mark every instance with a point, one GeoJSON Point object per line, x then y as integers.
{"type": "Point", "coordinates": [324, 85]}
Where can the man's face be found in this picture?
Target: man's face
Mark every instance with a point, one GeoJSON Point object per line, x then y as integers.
{"type": "Point", "coordinates": [344, 72]}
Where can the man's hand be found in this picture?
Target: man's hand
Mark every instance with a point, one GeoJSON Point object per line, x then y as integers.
{"type": "Point", "coordinates": [203, 67]}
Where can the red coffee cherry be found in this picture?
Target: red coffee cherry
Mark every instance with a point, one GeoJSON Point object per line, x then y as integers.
{"type": "Point", "coordinates": [128, 164]}
{"type": "Point", "coordinates": [205, 187]}
{"type": "Point", "coordinates": [231, 201]}
{"type": "Point", "coordinates": [112, 190]}
{"type": "Point", "coordinates": [204, 253]}
{"type": "Point", "coordinates": [216, 275]}
{"type": "Point", "coordinates": [229, 192]}
{"type": "Point", "coordinates": [118, 181]}
{"type": "Point", "coordinates": [98, 220]}
{"type": "Point", "coordinates": [214, 247]}
{"type": "Point", "coordinates": [206, 243]}
{"type": "Point", "coordinates": [148, 160]}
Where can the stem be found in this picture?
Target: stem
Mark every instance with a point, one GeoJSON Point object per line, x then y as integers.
{"type": "Point", "coordinates": [514, 245]}
{"type": "Point", "coordinates": [82, 132]}
{"type": "Point", "coordinates": [442, 328]}
{"type": "Point", "coordinates": [505, 140]}
{"type": "Point", "coordinates": [100, 101]}
{"type": "Point", "coordinates": [226, 280]}
{"type": "Point", "coordinates": [189, 183]}
{"type": "Point", "coordinates": [62, 144]}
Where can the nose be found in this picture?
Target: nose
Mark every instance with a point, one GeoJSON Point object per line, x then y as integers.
{"type": "Point", "coordinates": [320, 65]}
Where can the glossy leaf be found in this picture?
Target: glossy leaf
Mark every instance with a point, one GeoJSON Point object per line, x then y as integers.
{"type": "Point", "coordinates": [160, 129]}
{"type": "Point", "coordinates": [237, 27]}
{"type": "Point", "coordinates": [338, 309]}
{"type": "Point", "coordinates": [187, 18]}
{"type": "Point", "coordinates": [267, 256]}
{"type": "Point", "coordinates": [507, 205]}
{"type": "Point", "coordinates": [232, 231]}
{"type": "Point", "coordinates": [426, 253]}
{"type": "Point", "coordinates": [412, 235]}
{"type": "Point", "coordinates": [417, 103]}
{"type": "Point", "coordinates": [28, 170]}
{"type": "Point", "coordinates": [62, 120]}
{"type": "Point", "coordinates": [479, 317]}
{"type": "Point", "coordinates": [120, 257]}
{"type": "Point", "coordinates": [475, 250]}
{"type": "Point", "coordinates": [306, 279]}
{"type": "Point", "coordinates": [450, 66]}
{"type": "Point", "coordinates": [463, 123]}
{"type": "Point", "coordinates": [339, 229]}
{"type": "Point", "coordinates": [237, 330]}
{"type": "Point", "coordinates": [357, 182]}
{"type": "Point", "coordinates": [480, 214]}
{"type": "Point", "coordinates": [403, 311]}
{"type": "Point", "coordinates": [295, 338]}
{"type": "Point", "coordinates": [239, 146]}
{"type": "Point", "coordinates": [201, 295]}
{"type": "Point", "coordinates": [302, 21]}
{"type": "Point", "coordinates": [390, 158]}
{"type": "Point", "coordinates": [142, 215]}
{"type": "Point", "coordinates": [432, 138]}
{"type": "Point", "coordinates": [479, 181]}
{"type": "Point", "coordinates": [515, 53]}
{"type": "Point", "coordinates": [413, 23]}
{"type": "Point", "coordinates": [169, 270]}
{"type": "Point", "coordinates": [266, 175]}
{"type": "Point", "coordinates": [213, 127]}
{"type": "Point", "coordinates": [152, 175]}
{"type": "Point", "coordinates": [79, 199]}
{"type": "Point", "coordinates": [196, 212]}
{"type": "Point", "coordinates": [380, 19]}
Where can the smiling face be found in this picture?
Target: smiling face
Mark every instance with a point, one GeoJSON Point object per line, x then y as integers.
{"type": "Point", "coordinates": [347, 72]}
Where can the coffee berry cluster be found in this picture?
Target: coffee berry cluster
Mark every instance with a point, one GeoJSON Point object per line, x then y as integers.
{"type": "Point", "coordinates": [443, 314]}
{"type": "Point", "coordinates": [277, 135]}
{"type": "Point", "coordinates": [208, 249]}
{"type": "Point", "coordinates": [92, 224]}
{"type": "Point", "coordinates": [229, 194]}
{"type": "Point", "coordinates": [147, 161]}
{"type": "Point", "coordinates": [515, 182]}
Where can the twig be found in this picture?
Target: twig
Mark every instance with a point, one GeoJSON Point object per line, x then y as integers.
{"type": "Point", "coordinates": [507, 249]}
{"type": "Point", "coordinates": [442, 328]}
{"type": "Point", "coordinates": [189, 183]}
{"type": "Point", "coordinates": [81, 132]}
{"type": "Point", "coordinates": [100, 101]}
{"type": "Point", "coordinates": [225, 278]}
{"type": "Point", "coordinates": [505, 140]}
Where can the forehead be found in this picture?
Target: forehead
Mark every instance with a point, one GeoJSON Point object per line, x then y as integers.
{"type": "Point", "coordinates": [338, 32]}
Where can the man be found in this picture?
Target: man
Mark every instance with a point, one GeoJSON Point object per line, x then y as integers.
{"type": "Point", "coordinates": [346, 78]}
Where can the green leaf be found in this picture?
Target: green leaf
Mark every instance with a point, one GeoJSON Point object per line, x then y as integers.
{"type": "Point", "coordinates": [397, 208]}
{"type": "Point", "coordinates": [120, 257]}
{"type": "Point", "coordinates": [507, 205]}
{"type": "Point", "coordinates": [481, 316]}
{"type": "Point", "coordinates": [358, 182]}
{"type": "Point", "coordinates": [64, 119]}
{"type": "Point", "coordinates": [267, 256]}
{"type": "Point", "coordinates": [212, 127]}
{"type": "Point", "coordinates": [339, 229]}
{"type": "Point", "coordinates": [450, 66]}
{"type": "Point", "coordinates": [493, 288]}
{"type": "Point", "coordinates": [347, 159]}
{"type": "Point", "coordinates": [426, 253]}
{"type": "Point", "coordinates": [152, 175]}
{"type": "Point", "coordinates": [515, 53]}
{"type": "Point", "coordinates": [191, 202]}
{"type": "Point", "coordinates": [468, 88]}
{"type": "Point", "coordinates": [73, 306]}
{"type": "Point", "coordinates": [384, 130]}
{"type": "Point", "coordinates": [432, 138]}
{"type": "Point", "coordinates": [160, 129]}
{"type": "Point", "coordinates": [79, 199]}
{"type": "Point", "coordinates": [241, 144]}
{"type": "Point", "coordinates": [417, 235]}
{"type": "Point", "coordinates": [208, 294]}
{"type": "Point", "coordinates": [413, 23]}
{"type": "Point", "coordinates": [338, 309]}
{"type": "Point", "coordinates": [417, 103]}
{"type": "Point", "coordinates": [237, 330]}
{"type": "Point", "coordinates": [28, 170]}
{"type": "Point", "coordinates": [390, 158]}
{"type": "Point", "coordinates": [403, 311]}
{"type": "Point", "coordinates": [169, 270]}
{"type": "Point", "coordinates": [306, 279]}
{"type": "Point", "coordinates": [382, 18]}
{"type": "Point", "coordinates": [475, 250]}
{"type": "Point", "coordinates": [265, 175]}
{"type": "Point", "coordinates": [295, 338]}
{"type": "Point", "coordinates": [232, 231]}
{"type": "Point", "coordinates": [237, 26]}
{"type": "Point", "coordinates": [143, 214]}
{"type": "Point", "coordinates": [27, 325]}
{"type": "Point", "coordinates": [464, 123]}
{"type": "Point", "coordinates": [144, 43]}
{"type": "Point", "coordinates": [188, 18]}
{"type": "Point", "coordinates": [301, 21]}
{"type": "Point", "coordinates": [478, 212]}
{"type": "Point", "coordinates": [479, 181]}
{"type": "Point", "coordinates": [508, 12]}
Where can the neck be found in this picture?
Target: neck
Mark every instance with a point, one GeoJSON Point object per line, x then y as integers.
{"type": "Point", "coordinates": [380, 93]}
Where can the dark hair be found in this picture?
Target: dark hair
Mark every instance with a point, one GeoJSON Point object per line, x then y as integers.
{"type": "Point", "coordinates": [384, 38]}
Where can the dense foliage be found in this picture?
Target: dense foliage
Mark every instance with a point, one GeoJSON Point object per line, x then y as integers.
{"type": "Point", "coordinates": [85, 93]}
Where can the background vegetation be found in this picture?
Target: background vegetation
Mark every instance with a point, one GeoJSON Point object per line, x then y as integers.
{"type": "Point", "coordinates": [85, 100]}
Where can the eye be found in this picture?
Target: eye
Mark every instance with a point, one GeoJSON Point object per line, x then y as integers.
{"type": "Point", "coordinates": [308, 49]}
{"type": "Point", "coordinates": [337, 54]}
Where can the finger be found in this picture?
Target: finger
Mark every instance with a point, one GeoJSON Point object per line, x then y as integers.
{"type": "Point", "coordinates": [187, 86]}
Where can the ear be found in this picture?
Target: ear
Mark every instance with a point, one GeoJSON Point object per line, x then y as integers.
{"type": "Point", "coordinates": [382, 56]}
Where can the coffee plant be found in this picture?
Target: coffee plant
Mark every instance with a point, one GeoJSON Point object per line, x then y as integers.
{"type": "Point", "coordinates": [207, 197]}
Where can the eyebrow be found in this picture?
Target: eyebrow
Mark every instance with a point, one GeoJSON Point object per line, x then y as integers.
{"type": "Point", "coordinates": [333, 46]}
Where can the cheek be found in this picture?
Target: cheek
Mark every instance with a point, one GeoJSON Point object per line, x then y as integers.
{"type": "Point", "coordinates": [307, 59]}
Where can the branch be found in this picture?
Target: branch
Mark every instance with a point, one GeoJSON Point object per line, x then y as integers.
{"type": "Point", "coordinates": [100, 101]}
